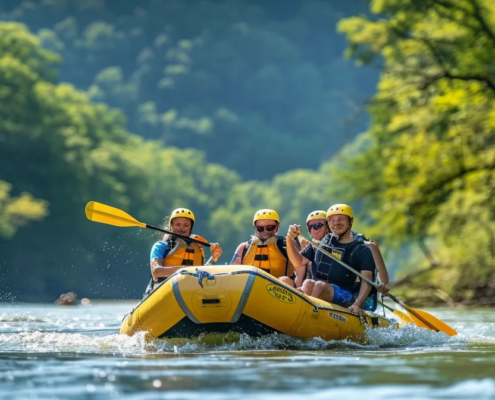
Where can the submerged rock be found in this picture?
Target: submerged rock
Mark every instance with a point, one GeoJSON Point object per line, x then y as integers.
{"type": "Point", "coordinates": [67, 299]}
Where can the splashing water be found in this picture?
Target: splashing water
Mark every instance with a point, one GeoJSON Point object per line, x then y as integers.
{"type": "Point", "coordinates": [76, 352]}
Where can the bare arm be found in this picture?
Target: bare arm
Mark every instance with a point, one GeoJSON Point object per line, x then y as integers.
{"type": "Point", "coordinates": [298, 261]}
{"type": "Point", "coordinates": [379, 262]}
{"type": "Point", "coordinates": [159, 271]}
{"type": "Point", "coordinates": [365, 289]}
{"type": "Point", "coordinates": [238, 254]}
{"type": "Point", "coordinates": [304, 242]}
{"type": "Point", "coordinates": [216, 251]}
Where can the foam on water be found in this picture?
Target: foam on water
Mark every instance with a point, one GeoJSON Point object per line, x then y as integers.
{"type": "Point", "coordinates": [53, 342]}
{"type": "Point", "coordinates": [42, 329]}
{"type": "Point", "coordinates": [115, 344]}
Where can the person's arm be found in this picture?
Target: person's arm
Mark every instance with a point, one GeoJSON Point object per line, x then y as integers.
{"type": "Point", "coordinates": [304, 242]}
{"type": "Point", "coordinates": [380, 266]}
{"type": "Point", "coordinates": [216, 251]}
{"type": "Point", "coordinates": [365, 265]}
{"type": "Point", "coordinates": [237, 259]}
{"type": "Point", "coordinates": [159, 271]}
{"type": "Point", "coordinates": [158, 253]}
{"type": "Point", "coordinates": [364, 292]}
{"type": "Point", "coordinates": [296, 258]}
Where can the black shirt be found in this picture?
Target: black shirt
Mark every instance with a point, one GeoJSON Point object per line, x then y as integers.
{"type": "Point", "coordinates": [360, 258]}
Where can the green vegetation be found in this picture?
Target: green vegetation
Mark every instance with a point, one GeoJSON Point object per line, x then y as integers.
{"type": "Point", "coordinates": [425, 170]}
{"type": "Point", "coordinates": [63, 149]}
{"type": "Point", "coordinates": [230, 77]}
{"type": "Point", "coordinates": [18, 211]}
{"type": "Point", "coordinates": [66, 150]}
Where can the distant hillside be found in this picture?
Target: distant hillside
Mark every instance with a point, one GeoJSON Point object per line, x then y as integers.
{"type": "Point", "coordinates": [261, 88]}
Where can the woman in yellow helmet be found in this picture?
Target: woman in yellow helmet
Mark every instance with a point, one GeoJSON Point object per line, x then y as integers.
{"type": "Point", "coordinates": [265, 250]}
{"type": "Point", "coordinates": [317, 226]}
{"type": "Point", "coordinates": [171, 253]}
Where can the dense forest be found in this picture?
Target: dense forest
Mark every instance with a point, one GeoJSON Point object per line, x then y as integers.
{"type": "Point", "coordinates": [230, 106]}
{"type": "Point", "coordinates": [226, 77]}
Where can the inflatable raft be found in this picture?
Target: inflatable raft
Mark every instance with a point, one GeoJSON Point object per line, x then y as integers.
{"type": "Point", "coordinates": [244, 299]}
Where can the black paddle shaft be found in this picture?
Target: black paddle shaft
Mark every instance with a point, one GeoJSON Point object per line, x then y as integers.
{"type": "Point", "coordinates": [179, 236]}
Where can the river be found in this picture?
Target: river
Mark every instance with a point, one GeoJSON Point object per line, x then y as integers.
{"type": "Point", "coordinates": [54, 352]}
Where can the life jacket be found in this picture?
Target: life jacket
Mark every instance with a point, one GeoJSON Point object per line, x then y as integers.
{"type": "Point", "coordinates": [269, 255]}
{"type": "Point", "coordinates": [320, 269]}
{"type": "Point", "coordinates": [183, 254]}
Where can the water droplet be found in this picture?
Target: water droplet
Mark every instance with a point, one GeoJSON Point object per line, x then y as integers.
{"type": "Point", "coordinates": [90, 388]}
{"type": "Point", "coordinates": [157, 383]}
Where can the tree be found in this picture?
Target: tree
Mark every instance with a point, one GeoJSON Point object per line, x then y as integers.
{"type": "Point", "coordinates": [426, 167]}
{"type": "Point", "coordinates": [60, 147]}
{"type": "Point", "coordinates": [175, 66]}
{"type": "Point", "coordinates": [18, 211]}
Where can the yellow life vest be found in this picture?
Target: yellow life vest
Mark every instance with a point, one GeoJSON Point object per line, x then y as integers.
{"type": "Point", "coordinates": [183, 254]}
{"type": "Point", "coordinates": [267, 256]}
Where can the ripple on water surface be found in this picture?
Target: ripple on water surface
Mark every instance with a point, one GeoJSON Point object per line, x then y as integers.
{"type": "Point", "coordinates": [53, 352]}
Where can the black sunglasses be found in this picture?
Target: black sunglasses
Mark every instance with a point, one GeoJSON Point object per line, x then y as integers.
{"type": "Point", "coordinates": [315, 226]}
{"type": "Point", "coordinates": [268, 228]}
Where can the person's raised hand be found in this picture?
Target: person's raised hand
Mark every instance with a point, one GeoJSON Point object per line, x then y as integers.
{"type": "Point", "coordinates": [216, 251]}
{"type": "Point", "coordinates": [383, 288]}
{"type": "Point", "coordinates": [294, 231]}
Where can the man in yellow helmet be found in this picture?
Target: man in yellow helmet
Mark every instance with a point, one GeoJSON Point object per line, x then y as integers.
{"type": "Point", "coordinates": [331, 281]}
{"type": "Point", "coordinates": [317, 226]}
{"type": "Point", "coordinates": [172, 253]}
{"type": "Point", "coordinates": [265, 250]}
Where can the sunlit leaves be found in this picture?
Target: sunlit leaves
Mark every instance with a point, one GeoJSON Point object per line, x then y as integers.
{"type": "Point", "coordinates": [428, 171]}
{"type": "Point", "coordinates": [18, 211]}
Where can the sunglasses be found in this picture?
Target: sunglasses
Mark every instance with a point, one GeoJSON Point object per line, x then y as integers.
{"type": "Point", "coordinates": [315, 226]}
{"type": "Point", "coordinates": [268, 228]}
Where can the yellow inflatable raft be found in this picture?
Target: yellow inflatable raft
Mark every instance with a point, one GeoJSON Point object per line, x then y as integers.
{"type": "Point", "coordinates": [245, 299]}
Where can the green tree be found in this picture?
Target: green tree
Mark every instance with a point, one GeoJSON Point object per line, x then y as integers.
{"type": "Point", "coordinates": [277, 70]}
{"type": "Point", "coordinates": [425, 170]}
{"type": "Point", "coordinates": [60, 147]}
{"type": "Point", "coordinates": [18, 211]}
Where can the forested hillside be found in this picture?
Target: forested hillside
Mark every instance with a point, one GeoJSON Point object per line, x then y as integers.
{"type": "Point", "coordinates": [64, 150]}
{"type": "Point", "coordinates": [259, 87]}
{"type": "Point", "coordinates": [425, 170]}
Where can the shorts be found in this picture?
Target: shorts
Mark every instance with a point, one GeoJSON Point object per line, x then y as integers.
{"type": "Point", "coordinates": [341, 297]}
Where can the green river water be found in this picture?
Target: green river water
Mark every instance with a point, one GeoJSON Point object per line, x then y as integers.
{"type": "Point", "coordinates": [53, 352]}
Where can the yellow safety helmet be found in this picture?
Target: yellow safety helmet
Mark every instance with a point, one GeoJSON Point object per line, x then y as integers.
{"type": "Point", "coordinates": [318, 214]}
{"type": "Point", "coordinates": [341, 209]}
{"type": "Point", "coordinates": [266, 214]}
{"type": "Point", "coordinates": [181, 212]}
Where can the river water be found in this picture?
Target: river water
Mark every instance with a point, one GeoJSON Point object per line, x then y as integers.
{"type": "Point", "coordinates": [54, 352]}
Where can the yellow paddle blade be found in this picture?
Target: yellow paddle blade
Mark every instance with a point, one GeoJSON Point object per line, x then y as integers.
{"type": "Point", "coordinates": [98, 212]}
{"type": "Point", "coordinates": [404, 317]}
{"type": "Point", "coordinates": [425, 320]}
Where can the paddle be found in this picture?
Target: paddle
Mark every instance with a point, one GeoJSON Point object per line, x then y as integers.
{"type": "Point", "coordinates": [104, 214]}
{"type": "Point", "coordinates": [403, 316]}
{"type": "Point", "coordinates": [421, 318]}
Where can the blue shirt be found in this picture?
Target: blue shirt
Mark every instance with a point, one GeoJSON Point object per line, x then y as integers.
{"type": "Point", "coordinates": [159, 250]}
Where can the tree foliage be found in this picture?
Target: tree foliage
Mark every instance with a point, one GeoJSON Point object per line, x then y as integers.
{"type": "Point", "coordinates": [426, 167]}
{"type": "Point", "coordinates": [236, 79]}
{"type": "Point", "coordinates": [18, 211]}
{"type": "Point", "coordinates": [62, 148]}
